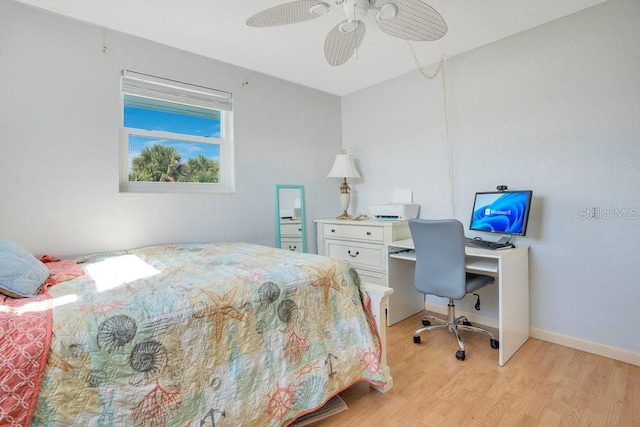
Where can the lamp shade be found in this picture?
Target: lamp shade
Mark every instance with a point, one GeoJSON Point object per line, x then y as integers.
{"type": "Point", "coordinates": [343, 167]}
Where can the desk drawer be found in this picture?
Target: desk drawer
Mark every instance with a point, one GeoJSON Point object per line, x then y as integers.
{"type": "Point", "coordinates": [359, 232]}
{"type": "Point", "coordinates": [368, 256]}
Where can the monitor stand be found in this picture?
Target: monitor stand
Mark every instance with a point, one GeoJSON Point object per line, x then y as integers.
{"type": "Point", "coordinates": [504, 240]}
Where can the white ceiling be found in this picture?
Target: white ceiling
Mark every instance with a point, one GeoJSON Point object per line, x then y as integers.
{"type": "Point", "coordinates": [217, 29]}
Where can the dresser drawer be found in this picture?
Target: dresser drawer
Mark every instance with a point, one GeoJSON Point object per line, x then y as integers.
{"type": "Point", "coordinates": [292, 244]}
{"type": "Point", "coordinates": [290, 229]}
{"type": "Point", "coordinates": [362, 243]}
{"type": "Point", "coordinates": [368, 256]}
{"type": "Point", "coordinates": [359, 232]}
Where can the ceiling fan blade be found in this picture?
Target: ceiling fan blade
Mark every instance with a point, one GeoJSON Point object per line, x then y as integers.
{"type": "Point", "coordinates": [342, 42]}
{"type": "Point", "coordinates": [289, 13]}
{"type": "Point", "coordinates": [412, 20]}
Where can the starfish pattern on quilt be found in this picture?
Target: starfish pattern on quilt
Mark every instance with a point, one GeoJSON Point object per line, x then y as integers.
{"type": "Point", "coordinates": [327, 281]}
{"type": "Point", "coordinates": [220, 309]}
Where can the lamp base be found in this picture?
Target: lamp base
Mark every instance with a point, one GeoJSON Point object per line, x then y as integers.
{"type": "Point", "coordinates": [345, 198]}
{"type": "Point", "coordinates": [344, 215]}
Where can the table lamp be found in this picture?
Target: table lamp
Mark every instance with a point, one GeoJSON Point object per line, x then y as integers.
{"type": "Point", "coordinates": [343, 167]}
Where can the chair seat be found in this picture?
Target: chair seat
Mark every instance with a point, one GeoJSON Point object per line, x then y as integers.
{"type": "Point", "coordinates": [477, 281]}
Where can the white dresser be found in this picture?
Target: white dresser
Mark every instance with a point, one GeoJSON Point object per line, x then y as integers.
{"type": "Point", "coordinates": [362, 243]}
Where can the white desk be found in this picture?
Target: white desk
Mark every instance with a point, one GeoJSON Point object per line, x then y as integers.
{"type": "Point", "coordinates": [510, 267]}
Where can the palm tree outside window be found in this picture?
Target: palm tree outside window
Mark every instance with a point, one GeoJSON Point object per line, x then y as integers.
{"type": "Point", "coordinates": [180, 143]}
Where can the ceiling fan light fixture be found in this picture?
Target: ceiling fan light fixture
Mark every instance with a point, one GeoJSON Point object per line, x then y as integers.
{"type": "Point", "coordinates": [319, 9]}
{"type": "Point", "coordinates": [356, 10]}
{"type": "Point", "coordinates": [387, 11]}
{"type": "Point", "coordinates": [349, 26]}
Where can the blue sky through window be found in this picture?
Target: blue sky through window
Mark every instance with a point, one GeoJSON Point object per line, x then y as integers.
{"type": "Point", "coordinates": [175, 119]}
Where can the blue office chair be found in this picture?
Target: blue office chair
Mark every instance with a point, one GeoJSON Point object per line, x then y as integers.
{"type": "Point", "coordinates": [440, 270]}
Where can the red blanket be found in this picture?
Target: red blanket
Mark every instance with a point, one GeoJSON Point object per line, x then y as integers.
{"type": "Point", "coordinates": [25, 334]}
{"type": "Point", "coordinates": [61, 269]}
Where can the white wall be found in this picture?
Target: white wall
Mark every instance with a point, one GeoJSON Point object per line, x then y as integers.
{"type": "Point", "coordinates": [555, 110]}
{"type": "Point", "coordinates": [60, 116]}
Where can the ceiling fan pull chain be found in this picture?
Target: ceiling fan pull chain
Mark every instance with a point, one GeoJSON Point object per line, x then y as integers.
{"type": "Point", "coordinates": [440, 70]}
{"type": "Point", "coordinates": [424, 74]}
{"type": "Point", "coordinates": [355, 48]}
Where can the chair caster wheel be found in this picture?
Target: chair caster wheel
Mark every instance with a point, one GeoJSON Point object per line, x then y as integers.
{"type": "Point", "coordinates": [425, 322]}
{"type": "Point", "coordinates": [494, 343]}
{"type": "Point", "coordinates": [466, 323]}
{"type": "Point", "coordinates": [460, 355]}
{"type": "Point", "coordinates": [416, 340]}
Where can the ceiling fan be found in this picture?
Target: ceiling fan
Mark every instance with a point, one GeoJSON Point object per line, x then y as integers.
{"type": "Point", "coordinates": [405, 19]}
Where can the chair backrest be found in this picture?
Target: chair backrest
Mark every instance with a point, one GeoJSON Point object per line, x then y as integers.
{"type": "Point", "coordinates": [440, 258]}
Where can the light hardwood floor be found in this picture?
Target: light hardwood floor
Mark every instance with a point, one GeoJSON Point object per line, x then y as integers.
{"type": "Point", "coordinates": [543, 384]}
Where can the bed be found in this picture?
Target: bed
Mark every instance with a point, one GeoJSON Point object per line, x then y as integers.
{"type": "Point", "coordinates": [224, 334]}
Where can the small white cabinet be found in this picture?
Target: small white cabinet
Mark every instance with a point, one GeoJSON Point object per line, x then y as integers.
{"type": "Point", "coordinates": [362, 243]}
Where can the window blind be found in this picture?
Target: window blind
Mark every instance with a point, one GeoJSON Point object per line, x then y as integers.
{"type": "Point", "coordinates": [174, 91]}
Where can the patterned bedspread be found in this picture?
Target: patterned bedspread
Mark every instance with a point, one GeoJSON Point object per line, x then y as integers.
{"type": "Point", "coordinates": [229, 334]}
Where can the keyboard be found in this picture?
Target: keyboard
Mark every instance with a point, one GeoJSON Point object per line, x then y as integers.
{"type": "Point", "coordinates": [485, 244]}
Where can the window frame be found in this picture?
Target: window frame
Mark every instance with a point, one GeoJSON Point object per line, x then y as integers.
{"type": "Point", "coordinates": [226, 175]}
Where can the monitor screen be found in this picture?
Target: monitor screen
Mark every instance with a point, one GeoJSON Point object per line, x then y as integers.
{"type": "Point", "coordinates": [504, 212]}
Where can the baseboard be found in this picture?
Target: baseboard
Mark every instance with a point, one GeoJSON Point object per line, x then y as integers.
{"type": "Point", "coordinates": [615, 353]}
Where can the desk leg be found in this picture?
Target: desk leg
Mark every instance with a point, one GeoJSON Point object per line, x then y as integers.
{"type": "Point", "coordinates": [513, 319]}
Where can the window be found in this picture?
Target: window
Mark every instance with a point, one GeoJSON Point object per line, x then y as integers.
{"type": "Point", "coordinates": [176, 137]}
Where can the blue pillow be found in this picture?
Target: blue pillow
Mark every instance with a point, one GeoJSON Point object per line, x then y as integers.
{"type": "Point", "coordinates": [21, 274]}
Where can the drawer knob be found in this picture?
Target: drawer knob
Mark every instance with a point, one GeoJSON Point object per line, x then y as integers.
{"type": "Point", "coordinates": [368, 233]}
{"type": "Point", "coordinates": [333, 230]}
{"type": "Point", "coordinates": [292, 248]}
{"type": "Point", "coordinates": [299, 229]}
{"type": "Point", "coordinates": [353, 255]}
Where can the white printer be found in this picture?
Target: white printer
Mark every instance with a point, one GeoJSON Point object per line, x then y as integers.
{"type": "Point", "coordinates": [401, 207]}
{"type": "Point", "coordinates": [394, 211]}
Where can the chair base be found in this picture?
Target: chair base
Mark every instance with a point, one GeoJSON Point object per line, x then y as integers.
{"type": "Point", "coordinates": [454, 324]}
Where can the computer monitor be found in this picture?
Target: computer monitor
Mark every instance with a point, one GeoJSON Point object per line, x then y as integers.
{"type": "Point", "coordinates": [501, 212]}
